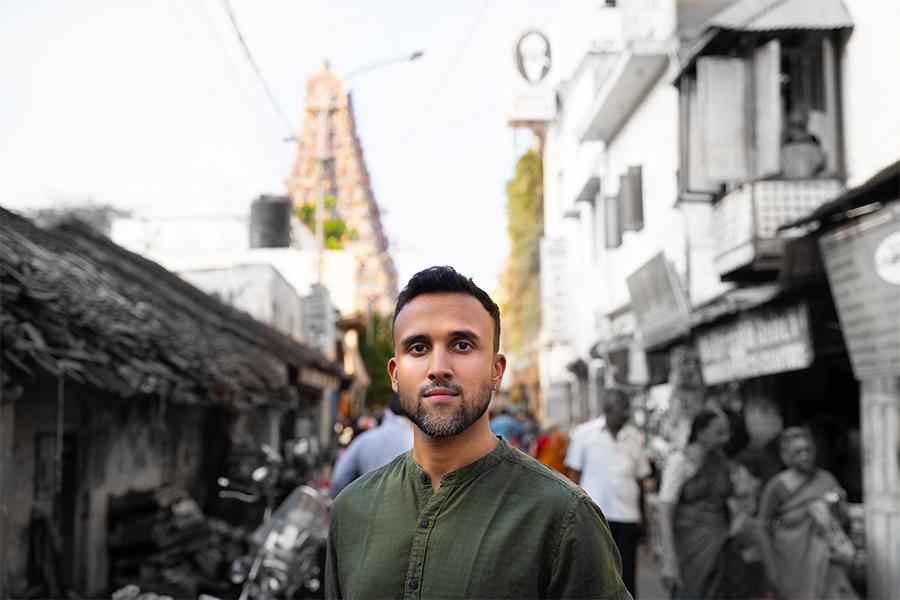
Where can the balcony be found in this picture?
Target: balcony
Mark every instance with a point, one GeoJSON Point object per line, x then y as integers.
{"type": "Point", "coordinates": [635, 72]}
{"type": "Point", "coordinates": [746, 221]}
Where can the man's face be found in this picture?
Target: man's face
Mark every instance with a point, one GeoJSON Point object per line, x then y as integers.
{"type": "Point", "coordinates": [616, 415]}
{"type": "Point", "coordinates": [444, 365]}
{"type": "Point", "coordinates": [800, 454]}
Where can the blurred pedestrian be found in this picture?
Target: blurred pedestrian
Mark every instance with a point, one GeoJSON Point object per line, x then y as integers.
{"type": "Point", "coordinates": [507, 426]}
{"type": "Point", "coordinates": [373, 447]}
{"type": "Point", "coordinates": [693, 514]}
{"type": "Point", "coordinates": [464, 515]}
{"type": "Point", "coordinates": [606, 457]}
{"type": "Point", "coordinates": [550, 448]}
{"type": "Point", "coordinates": [804, 545]}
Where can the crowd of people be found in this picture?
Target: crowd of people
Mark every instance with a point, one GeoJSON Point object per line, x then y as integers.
{"type": "Point", "coordinates": [727, 523]}
{"type": "Point", "coordinates": [724, 532]}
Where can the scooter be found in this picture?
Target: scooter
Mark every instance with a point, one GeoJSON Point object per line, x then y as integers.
{"type": "Point", "coordinates": [287, 555]}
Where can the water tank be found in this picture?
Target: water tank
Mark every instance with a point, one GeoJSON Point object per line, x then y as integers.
{"type": "Point", "coordinates": [270, 222]}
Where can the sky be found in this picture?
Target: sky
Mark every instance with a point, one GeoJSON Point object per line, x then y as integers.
{"type": "Point", "coordinates": [152, 106]}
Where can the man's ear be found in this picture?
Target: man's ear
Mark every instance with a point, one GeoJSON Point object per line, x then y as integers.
{"type": "Point", "coordinates": [392, 371]}
{"type": "Point", "coordinates": [498, 369]}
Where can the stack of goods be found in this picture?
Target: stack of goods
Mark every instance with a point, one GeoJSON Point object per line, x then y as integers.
{"type": "Point", "coordinates": [159, 540]}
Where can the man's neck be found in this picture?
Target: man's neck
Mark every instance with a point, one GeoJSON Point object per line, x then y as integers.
{"type": "Point", "coordinates": [439, 456]}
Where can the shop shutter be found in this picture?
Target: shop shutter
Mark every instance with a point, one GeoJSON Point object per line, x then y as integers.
{"type": "Point", "coordinates": [613, 221]}
{"type": "Point", "coordinates": [767, 108]}
{"type": "Point", "coordinates": [721, 86]}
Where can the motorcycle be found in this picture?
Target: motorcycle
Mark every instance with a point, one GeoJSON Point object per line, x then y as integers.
{"type": "Point", "coordinates": [287, 556]}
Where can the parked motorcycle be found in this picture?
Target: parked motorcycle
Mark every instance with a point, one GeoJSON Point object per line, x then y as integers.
{"type": "Point", "coordinates": [287, 556]}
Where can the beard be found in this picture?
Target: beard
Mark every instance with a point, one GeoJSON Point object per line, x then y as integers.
{"type": "Point", "coordinates": [443, 425]}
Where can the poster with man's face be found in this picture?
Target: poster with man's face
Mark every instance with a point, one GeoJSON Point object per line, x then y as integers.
{"type": "Point", "coordinates": [533, 56]}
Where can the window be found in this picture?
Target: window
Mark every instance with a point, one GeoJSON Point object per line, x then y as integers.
{"type": "Point", "coordinates": [612, 222]}
{"type": "Point", "coordinates": [631, 197]}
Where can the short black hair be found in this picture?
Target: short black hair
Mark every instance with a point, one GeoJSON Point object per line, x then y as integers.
{"type": "Point", "coordinates": [438, 280]}
{"type": "Point", "coordinates": [701, 421]}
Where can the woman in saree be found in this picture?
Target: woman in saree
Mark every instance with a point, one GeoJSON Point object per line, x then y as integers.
{"type": "Point", "coordinates": [694, 515]}
{"type": "Point", "coordinates": [801, 538]}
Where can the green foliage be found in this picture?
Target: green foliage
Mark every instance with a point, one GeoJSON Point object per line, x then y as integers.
{"type": "Point", "coordinates": [336, 231]}
{"type": "Point", "coordinates": [522, 310]}
{"type": "Point", "coordinates": [377, 347]}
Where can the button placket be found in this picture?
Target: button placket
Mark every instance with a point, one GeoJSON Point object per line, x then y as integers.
{"type": "Point", "coordinates": [423, 528]}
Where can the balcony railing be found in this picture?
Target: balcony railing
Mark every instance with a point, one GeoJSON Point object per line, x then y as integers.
{"type": "Point", "coordinates": [746, 221]}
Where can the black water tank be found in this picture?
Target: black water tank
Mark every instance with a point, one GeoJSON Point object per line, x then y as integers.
{"type": "Point", "coordinates": [270, 222]}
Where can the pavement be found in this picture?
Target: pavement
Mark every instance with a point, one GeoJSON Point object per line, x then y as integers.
{"type": "Point", "coordinates": [649, 584]}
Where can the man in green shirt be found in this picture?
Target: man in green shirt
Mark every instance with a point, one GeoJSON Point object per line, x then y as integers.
{"type": "Point", "coordinates": [463, 515]}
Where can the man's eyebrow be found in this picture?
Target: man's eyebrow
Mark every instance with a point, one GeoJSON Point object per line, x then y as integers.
{"type": "Point", "coordinates": [465, 334]}
{"type": "Point", "coordinates": [419, 338]}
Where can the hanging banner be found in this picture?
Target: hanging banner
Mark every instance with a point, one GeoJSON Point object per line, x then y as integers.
{"type": "Point", "coordinates": [862, 261]}
{"type": "Point", "coordinates": [659, 302]}
{"type": "Point", "coordinates": [555, 292]}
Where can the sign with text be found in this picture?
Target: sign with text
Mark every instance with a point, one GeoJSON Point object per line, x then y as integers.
{"type": "Point", "coordinates": [555, 292]}
{"type": "Point", "coordinates": [659, 302]}
{"type": "Point", "coordinates": [319, 328]}
{"type": "Point", "coordinates": [863, 266]}
{"type": "Point", "coordinates": [762, 342]}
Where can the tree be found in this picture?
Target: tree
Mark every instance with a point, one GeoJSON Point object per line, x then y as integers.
{"type": "Point", "coordinates": [336, 231]}
{"type": "Point", "coordinates": [522, 311]}
{"type": "Point", "coordinates": [377, 347]}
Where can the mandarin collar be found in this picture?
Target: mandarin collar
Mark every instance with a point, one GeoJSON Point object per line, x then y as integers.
{"type": "Point", "coordinates": [470, 471]}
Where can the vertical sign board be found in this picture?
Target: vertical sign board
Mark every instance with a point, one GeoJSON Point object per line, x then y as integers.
{"type": "Point", "coordinates": [531, 96]}
{"type": "Point", "coordinates": [863, 266]}
{"type": "Point", "coordinates": [762, 342]}
{"type": "Point", "coordinates": [318, 320]}
{"type": "Point", "coordinates": [555, 292]}
{"type": "Point", "coordinates": [659, 303]}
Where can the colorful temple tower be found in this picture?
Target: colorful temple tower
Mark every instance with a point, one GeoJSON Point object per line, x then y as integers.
{"type": "Point", "coordinates": [330, 165]}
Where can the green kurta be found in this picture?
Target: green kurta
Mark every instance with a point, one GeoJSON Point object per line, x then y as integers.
{"type": "Point", "coordinates": [505, 526]}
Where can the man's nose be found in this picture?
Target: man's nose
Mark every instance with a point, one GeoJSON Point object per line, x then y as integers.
{"type": "Point", "coordinates": [440, 366]}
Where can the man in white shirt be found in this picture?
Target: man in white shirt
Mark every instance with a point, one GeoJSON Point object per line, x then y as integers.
{"type": "Point", "coordinates": [606, 458]}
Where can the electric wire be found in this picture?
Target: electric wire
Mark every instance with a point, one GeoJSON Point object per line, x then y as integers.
{"type": "Point", "coordinates": [437, 91]}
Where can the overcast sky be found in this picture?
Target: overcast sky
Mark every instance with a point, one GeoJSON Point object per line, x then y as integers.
{"type": "Point", "coordinates": [152, 106]}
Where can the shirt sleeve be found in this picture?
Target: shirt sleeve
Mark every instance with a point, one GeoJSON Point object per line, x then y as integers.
{"type": "Point", "coordinates": [346, 469]}
{"type": "Point", "coordinates": [575, 452]}
{"type": "Point", "coordinates": [332, 581]}
{"type": "Point", "coordinates": [673, 477]}
{"type": "Point", "coordinates": [587, 563]}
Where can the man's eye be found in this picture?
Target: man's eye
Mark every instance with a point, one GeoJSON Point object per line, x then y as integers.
{"type": "Point", "coordinates": [463, 345]}
{"type": "Point", "coordinates": [417, 348]}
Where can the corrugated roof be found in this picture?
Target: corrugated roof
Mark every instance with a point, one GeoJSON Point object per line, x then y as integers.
{"type": "Point", "coordinates": [775, 15]}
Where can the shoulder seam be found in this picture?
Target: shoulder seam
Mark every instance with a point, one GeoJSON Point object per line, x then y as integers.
{"type": "Point", "coordinates": [573, 492]}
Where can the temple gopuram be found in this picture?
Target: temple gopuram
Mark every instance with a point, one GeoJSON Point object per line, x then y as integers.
{"type": "Point", "coordinates": [330, 165]}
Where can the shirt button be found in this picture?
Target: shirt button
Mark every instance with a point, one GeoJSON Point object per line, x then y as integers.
{"type": "Point", "coordinates": [423, 523]}
{"type": "Point", "coordinates": [423, 478]}
{"type": "Point", "coordinates": [413, 584]}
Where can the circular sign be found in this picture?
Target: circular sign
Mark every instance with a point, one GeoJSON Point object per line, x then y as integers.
{"type": "Point", "coordinates": [887, 258]}
{"type": "Point", "coordinates": [533, 56]}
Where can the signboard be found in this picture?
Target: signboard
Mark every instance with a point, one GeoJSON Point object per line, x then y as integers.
{"type": "Point", "coordinates": [762, 342]}
{"type": "Point", "coordinates": [659, 302]}
{"type": "Point", "coordinates": [532, 96]}
{"type": "Point", "coordinates": [863, 266]}
{"type": "Point", "coordinates": [555, 292]}
{"type": "Point", "coordinates": [319, 320]}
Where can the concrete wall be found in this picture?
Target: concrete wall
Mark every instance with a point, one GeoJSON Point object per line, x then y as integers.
{"type": "Point", "coordinates": [258, 290]}
{"type": "Point", "coordinates": [871, 89]}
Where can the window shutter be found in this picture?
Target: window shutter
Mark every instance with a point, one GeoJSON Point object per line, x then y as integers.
{"type": "Point", "coordinates": [721, 85]}
{"type": "Point", "coordinates": [696, 179]}
{"type": "Point", "coordinates": [625, 217]}
{"type": "Point", "coordinates": [613, 224]}
{"type": "Point", "coordinates": [767, 105]}
{"type": "Point", "coordinates": [829, 135]}
{"type": "Point", "coordinates": [636, 191]}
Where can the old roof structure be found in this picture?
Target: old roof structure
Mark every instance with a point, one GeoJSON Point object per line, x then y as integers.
{"type": "Point", "coordinates": [73, 302]}
{"type": "Point", "coordinates": [764, 17]}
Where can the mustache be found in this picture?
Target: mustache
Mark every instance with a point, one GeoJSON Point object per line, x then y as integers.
{"type": "Point", "coordinates": [444, 385]}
